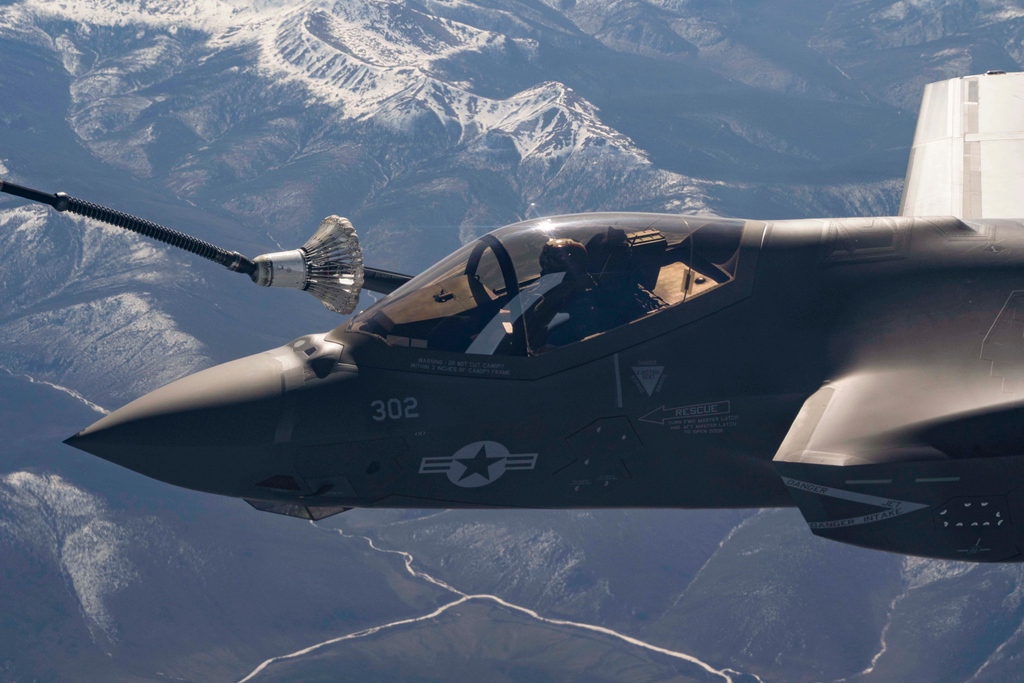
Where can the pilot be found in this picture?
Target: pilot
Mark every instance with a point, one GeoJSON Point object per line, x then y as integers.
{"type": "Point", "coordinates": [601, 290]}
{"type": "Point", "coordinates": [564, 255]}
{"type": "Point", "coordinates": [571, 310]}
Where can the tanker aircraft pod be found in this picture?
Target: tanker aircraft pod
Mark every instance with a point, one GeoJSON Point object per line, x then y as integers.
{"type": "Point", "coordinates": [868, 370]}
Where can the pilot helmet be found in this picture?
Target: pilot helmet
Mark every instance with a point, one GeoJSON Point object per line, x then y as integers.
{"type": "Point", "coordinates": [563, 255]}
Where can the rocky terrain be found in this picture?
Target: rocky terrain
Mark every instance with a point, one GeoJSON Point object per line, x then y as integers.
{"type": "Point", "coordinates": [429, 123]}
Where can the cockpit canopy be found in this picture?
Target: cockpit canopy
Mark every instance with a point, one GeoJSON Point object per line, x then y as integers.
{"type": "Point", "coordinates": [542, 284]}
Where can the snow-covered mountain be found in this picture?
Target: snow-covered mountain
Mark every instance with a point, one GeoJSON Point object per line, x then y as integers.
{"type": "Point", "coordinates": [428, 123]}
{"type": "Point", "coordinates": [380, 65]}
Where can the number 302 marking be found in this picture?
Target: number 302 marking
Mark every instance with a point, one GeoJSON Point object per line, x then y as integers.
{"type": "Point", "coordinates": [395, 409]}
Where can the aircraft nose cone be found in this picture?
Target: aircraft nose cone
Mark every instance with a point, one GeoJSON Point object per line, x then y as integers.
{"type": "Point", "coordinates": [194, 432]}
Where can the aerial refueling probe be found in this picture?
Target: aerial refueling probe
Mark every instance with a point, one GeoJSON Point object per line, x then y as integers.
{"type": "Point", "coordinates": [329, 265]}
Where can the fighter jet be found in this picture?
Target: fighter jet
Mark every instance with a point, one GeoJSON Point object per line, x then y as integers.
{"type": "Point", "coordinates": [869, 371]}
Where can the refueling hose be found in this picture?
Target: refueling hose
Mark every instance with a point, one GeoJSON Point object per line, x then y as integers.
{"type": "Point", "coordinates": [231, 260]}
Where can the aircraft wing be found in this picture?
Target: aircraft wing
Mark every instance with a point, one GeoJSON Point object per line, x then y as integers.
{"type": "Point", "coordinates": [906, 461]}
{"type": "Point", "coordinates": [920, 459]}
{"type": "Point", "coordinates": [967, 159]}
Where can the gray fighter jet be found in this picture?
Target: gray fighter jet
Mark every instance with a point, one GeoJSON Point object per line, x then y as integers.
{"type": "Point", "coordinates": [869, 371]}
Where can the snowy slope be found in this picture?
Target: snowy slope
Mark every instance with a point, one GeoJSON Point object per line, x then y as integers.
{"type": "Point", "coordinates": [369, 61]}
{"type": "Point", "coordinates": [428, 123]}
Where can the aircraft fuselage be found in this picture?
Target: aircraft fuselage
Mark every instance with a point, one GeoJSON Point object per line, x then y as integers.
{"type": "Point", "coordinates": [685, 409]}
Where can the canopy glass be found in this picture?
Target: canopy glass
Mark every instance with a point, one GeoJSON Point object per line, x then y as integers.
{"type": "Point", "coordinates": [542, 284]}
